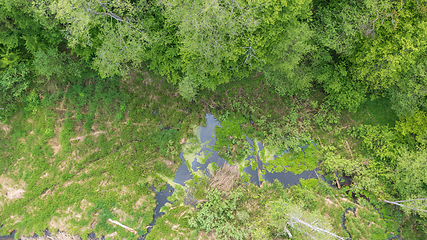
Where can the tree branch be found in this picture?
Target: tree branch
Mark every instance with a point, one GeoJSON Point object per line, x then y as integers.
{"type": "Point", "coordinates": [415, 209]}
{"type": "Point", "coordinates": [297, 220]}
{"type": "Point", "coordinates": [287, 231]}
{"type": "Point", "coordinates": [411, 200]}
{"type": "Point", "coordinates": [372, 31]}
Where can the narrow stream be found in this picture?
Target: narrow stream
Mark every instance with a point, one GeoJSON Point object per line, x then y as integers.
{"type": "Point", "coordinates": [353, 209]}
{"type": "Point", "coordinates": [9, 237]}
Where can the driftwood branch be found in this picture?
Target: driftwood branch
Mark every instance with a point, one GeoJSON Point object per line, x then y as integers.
{"type": "Point", "coordinates": [123, 226]}
{"type": "Point", "coordinates": [336, 179]}
{"type": "Point", "coordinates": [317, 229]}
{"type": "Point", "coordinates": [415, 209]}
{"type": "Point", "coordinates": [411, 200]}
{"type": "Point", "coordinates": [288, 232]}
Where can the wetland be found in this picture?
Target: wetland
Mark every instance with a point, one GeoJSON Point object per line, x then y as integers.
{"type": "Point", "coordinates": [166, 168]}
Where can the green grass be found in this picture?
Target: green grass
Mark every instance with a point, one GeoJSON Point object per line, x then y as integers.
{"type": "Point", "coordinates": [106, 171]}
{"type": "Point", "coordinates": [379, 111]}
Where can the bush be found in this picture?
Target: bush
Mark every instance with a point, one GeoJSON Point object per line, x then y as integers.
{"type": "Point", "coordinates": [218, 214]}
{"type": "Point", "coordinates": [14, 82]}
{"type": "Point", "coordinates": [242, 216]}
{"type": "Point", "coordinates": [52, 64]}
{"type": "Point", "coordinates": [187, 89]}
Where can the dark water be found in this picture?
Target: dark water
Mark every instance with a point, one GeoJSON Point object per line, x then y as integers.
{"type": "Point", "coordinates": [207, 138]}
{"type": "Point", "coordinates": [288, 178]}
{"type": "Point", "coordinates": [207, 135]}
{"type": "Point", "coordinates": [253, 173]}
{"type": "Point", "coordinates": [182, 174]}
{"type": "Point", "coordinates": [353, 209]}
{"type": "Point", "coordinates": [9, 237]}
{"type": "Point", "coordinates": [162, 199]}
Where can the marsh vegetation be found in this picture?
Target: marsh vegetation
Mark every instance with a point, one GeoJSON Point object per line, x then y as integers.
{"type": "Point", "coordinates": [213, 119]}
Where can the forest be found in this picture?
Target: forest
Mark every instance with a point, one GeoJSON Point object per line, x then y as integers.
{"type": "Point", "coordinates": [177, 119]}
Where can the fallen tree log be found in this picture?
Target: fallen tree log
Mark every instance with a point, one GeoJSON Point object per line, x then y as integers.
{"type": "Point", "coordinates": [123, 226]}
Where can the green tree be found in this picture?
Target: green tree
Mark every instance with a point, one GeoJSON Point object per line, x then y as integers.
{"type": "Point", "coordinates": [409, 94]}
{"type": "Point", "coordinates": [338, 23]}
{"type": "Point", "coordinates": [111, 30]}
{"type": "Point", "coordinates": [338, 26]}
{"type": "Point", "coordinates": [392, 57]}
{"type": "Point", "coordinates": [286, 70]}
{"type": "Point", "coordinates": [374, 45]}
{"type": "Point", "coordinates": [223, 40]}
{"type": "Point", "coordinates": [54, 64]}
{"type": "Point", "coordinates": [413, 124]}
{"type": "Point", "coordinates": [14, 82]}
{"type": "Point", "coordinates": [22, 31]}
{"type": "Point", "coordinates": [343, 90]}
{"type": "Point", "coordinates": [212, 37]}
{"type": "Point", "coordinates": [411, 174]}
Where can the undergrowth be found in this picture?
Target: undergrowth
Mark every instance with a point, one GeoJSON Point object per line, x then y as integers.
{"type": "Point", "coordinates": [92, 151]}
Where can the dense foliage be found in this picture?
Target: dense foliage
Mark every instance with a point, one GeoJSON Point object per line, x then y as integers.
{"type": "Point", "coordinates": [339, 87]}
{"type": "Point", "coordinates": [352, 48]}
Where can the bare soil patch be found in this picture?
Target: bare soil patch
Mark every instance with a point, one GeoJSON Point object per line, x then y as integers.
{"type": "Point", "coordinates": [5, 127]}
{"type": "Point", "coordinates": [10, 189]}
{"type": "Point", "coordinates": [169, 163]}
{"type": "Point", "coordinates": [329, 202]}
{"type": "Point", "coordinates": [62, 223]}
{"type": "Point", "coordinates": [54, 144]}
{"type": "Point", "coordinates": [121, 215]}
{"type": "Point", "coordinates": [82, 137]}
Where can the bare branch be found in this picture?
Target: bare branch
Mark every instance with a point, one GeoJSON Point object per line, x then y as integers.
{"type": "Point", "coordinates": [118, 30]}
{"type": "Point", "coordinates": [415, 209]}
{"type": "Point", "coordinates": [298, 220]}
{"type": "Point", "coordinates": [287, 231]}
{"type": "Point", "coordinates": [123, 226]}
{"type": "Point", "coordinates": [112, 15]}
{"type": "Point", "coordinates": [373, 24]}
{"type": "Point", "coordinates": [411, 200]}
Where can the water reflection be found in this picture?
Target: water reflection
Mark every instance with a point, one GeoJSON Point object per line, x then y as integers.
{"type": "Point", "coordinates": [208, 139]}
{"type": "Point", "coordinates": [183, 173]}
